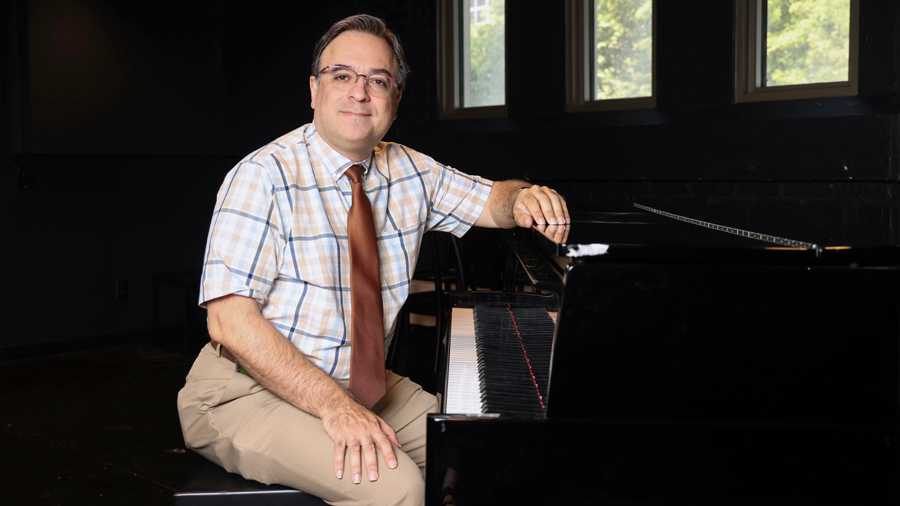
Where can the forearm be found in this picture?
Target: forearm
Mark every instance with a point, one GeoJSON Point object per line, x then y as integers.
{"type": "Point", "coordinates": [501, 204]}
{"type": "Point", "coordinates": [237, 324]}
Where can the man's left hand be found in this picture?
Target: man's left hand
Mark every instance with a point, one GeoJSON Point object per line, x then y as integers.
{"type": "Point", "coordinates": [539, 205]}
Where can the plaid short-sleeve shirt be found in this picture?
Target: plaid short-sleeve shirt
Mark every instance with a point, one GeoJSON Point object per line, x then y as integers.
{"type": "Point", "coordinates": [279, 234]}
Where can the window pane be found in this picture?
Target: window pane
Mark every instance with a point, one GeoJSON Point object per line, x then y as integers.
{"type": "Point", "coordinates": [623, 49]}
{"type": "Point", "coordinates": [484, 76]}
{"type": "Point", "coordinates": [807, 41]}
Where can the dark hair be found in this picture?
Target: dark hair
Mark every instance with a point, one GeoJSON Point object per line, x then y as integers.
{"type": "Point", "coordinates": [366, 24]}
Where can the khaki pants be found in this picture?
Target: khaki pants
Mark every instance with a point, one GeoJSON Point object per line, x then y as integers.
{"type": "Point", "coordinates": [233, 421]}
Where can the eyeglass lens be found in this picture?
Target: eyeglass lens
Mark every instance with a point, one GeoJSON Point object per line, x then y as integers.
{"type": "Point", "coordinates": [377, 83]}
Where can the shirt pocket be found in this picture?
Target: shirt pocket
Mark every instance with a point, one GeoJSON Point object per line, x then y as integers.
{"type": "Point", "coordinates": [316, 258]}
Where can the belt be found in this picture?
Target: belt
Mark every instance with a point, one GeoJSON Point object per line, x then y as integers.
{"type": "Point", "coordinates": [225, 353]}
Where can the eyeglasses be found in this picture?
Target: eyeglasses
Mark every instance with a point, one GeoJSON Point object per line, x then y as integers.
{"type": "Point", "coordinates": [342, 78]}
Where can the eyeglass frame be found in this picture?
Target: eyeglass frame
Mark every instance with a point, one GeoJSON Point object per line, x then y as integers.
{"type": "Point", "coordinates": [358, 75]}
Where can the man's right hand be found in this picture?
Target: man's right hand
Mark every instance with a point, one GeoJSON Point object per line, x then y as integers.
{"type": "Point", "coordinates": [355, 429]}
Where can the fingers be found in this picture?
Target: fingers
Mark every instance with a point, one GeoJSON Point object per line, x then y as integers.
{"type": "Point", "coordinates": [556, 233]}
{"type": "Point", "coordinates": [339, 449]}
{"type": "Point", "coordinates": [368, 449]}
{"type": "Point", "coordinates": [353, 449]}
{"type": "Point", "coordinates": [389, 432]}
{"type": "Point", "coordinates": [540, 205]}
{"type": "Point", "coordinates": [357, 439]}
{"type": "Point", "coordinates": [562, 234]}
{"type": "Point", "coordinates": [387, 450]}
{"type": "Point", "coordinates": [364, 452]}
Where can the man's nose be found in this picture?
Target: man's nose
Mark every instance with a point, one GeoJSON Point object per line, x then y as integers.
{"type": "Point", "coordinates": [359, 91]}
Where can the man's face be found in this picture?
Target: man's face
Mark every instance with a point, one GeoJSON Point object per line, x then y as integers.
{"type": "Point", "coordinates": [353, 121]}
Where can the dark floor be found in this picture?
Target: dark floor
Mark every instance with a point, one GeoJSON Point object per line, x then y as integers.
{"type": "Point", "coordinates": [100, 426]}
{"type": "Point", "coordinates": [93, 427]}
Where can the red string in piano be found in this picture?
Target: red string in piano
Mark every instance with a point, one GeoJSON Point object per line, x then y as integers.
{"type": "Point", "coordinates": [522, 344]}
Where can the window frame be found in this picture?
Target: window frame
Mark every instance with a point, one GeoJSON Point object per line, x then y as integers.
{"type": "Point", "coordinates": [580, 62]}
{"type": "Point", "coordinates": [750, 23]}
{"type": "Point", "coordinates": [452, 17]}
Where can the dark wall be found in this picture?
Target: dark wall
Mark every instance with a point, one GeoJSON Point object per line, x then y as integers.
{"type": "Point", "coordinates": [106, 78]}
{"type": "Point", "coordinates": [830, 163]}
{"type": "Point", "coordinates": [120, 121]}
{"type": "Point", "coordinates": [696, 132]}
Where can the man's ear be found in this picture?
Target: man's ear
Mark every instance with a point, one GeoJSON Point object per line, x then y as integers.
{"type": "Point", "coordinates": [313, 88]}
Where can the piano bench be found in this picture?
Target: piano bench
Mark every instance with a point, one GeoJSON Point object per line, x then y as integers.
{"type": "Point", "coordinates": [207, 484]}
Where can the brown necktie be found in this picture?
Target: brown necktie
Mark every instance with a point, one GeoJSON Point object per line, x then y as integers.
{"type": "Point", "coordinates": [367, 379]}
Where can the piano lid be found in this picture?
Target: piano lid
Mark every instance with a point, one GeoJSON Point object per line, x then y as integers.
{"type": "Point", "coordinates": [650, 232]}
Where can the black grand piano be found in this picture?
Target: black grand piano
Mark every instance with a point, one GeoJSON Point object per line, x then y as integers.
{"type": "Point", "coordinates": [671, 358]}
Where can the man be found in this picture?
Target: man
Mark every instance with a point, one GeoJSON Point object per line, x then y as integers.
{"type": "Point", "coordinates": [269, 398]}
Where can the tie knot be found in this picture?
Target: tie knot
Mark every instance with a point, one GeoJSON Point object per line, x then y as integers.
{"type": "Point", "coordinates": [355, 173]}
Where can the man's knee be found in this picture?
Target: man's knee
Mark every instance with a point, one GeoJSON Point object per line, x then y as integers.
{"type": "Point", "coordinates": [410, 492]}
{"type": "Point", "coordinates": [402, 486]}
{"type": "Point", "coordinates": [192, 421]}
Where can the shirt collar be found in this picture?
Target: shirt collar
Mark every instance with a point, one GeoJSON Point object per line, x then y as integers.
{"type": "Point", "coordinates": [334, 162]}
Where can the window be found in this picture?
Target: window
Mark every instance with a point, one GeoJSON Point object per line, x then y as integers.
{"type": "Point", "coordinates": [790, 49]}
{"type": "Point", "coordinates": [480, 12]}
{"type": "Point", "coordinates": [473, 58]}
{"type": "Point", "coordinates": [611, 52]}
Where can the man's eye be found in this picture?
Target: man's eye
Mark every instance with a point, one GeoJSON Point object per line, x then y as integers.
{"type": "Point", "coordinates": [342, 76]}
{"type": "Point", "coordinates": [378, 81]}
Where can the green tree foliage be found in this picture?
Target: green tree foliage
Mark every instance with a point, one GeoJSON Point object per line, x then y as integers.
{"type": "Point", "coordinates": [808, 41]}
{"type": "Point", "coordinates": [623, 49]}
{"type": "Point", "coordinates": [487, 59]}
